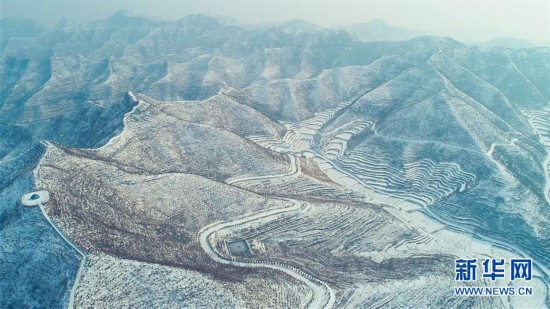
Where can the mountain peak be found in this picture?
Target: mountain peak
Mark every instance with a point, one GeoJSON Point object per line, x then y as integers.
{"type": "Point", "coordinates": [210, 18]}
{"type": "Point", "coordinates": [378, 21]}
{"type": "Point", "coordinates": [124, 18]}
{"type": "Point", "coordinates": [120, 15]}
{"type": "Point", "coordinates": [379, 30]}
{"type": "Point", "coordinates": [298, 25]}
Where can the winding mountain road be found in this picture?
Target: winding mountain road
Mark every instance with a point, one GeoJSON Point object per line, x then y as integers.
{"type": "Point", "coordinates": [75, 247]}
{"type": "Point", "coordinates": [82, 264]}
{"type": "Point", "coordinates": [323, 295]}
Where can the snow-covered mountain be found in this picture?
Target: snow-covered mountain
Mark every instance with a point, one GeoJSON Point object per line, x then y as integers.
{"type": "Point", "coordinates": [355, 172]}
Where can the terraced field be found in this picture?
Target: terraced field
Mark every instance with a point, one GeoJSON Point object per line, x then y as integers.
{"type": "Point", "coordinates": [357, 248]}
{"type": "Point", "coordinates": [540, 121]}
{"type": "Point", "coordinates": [418, 192]}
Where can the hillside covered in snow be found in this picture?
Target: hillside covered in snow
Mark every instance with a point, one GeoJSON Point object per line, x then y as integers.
{"type": "Point", "coordinates": [203, 163]}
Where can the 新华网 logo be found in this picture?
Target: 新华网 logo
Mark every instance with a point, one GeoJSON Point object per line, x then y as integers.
{"type": "Point", "coordinates": [493, 269]}
{"type": "Point", "coordinates": [467, 269]}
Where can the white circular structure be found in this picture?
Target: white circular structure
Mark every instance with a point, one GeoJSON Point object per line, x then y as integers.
{"type": "Point", "coordinates": [35, 198]}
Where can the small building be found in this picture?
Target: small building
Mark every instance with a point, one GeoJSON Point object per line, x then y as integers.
{"type": "Point", "coordinates": [238, 247]}
{"type": "Point", "coordinates": [35, 198]}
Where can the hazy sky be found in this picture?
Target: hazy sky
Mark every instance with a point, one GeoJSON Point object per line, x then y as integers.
{"type": "Point", "coordinates": [469, 20]}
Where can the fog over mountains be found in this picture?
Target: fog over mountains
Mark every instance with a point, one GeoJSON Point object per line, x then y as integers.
{"type": "Point", "coordinates": [357, 163]}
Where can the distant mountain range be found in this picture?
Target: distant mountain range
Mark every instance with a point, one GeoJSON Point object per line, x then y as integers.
{"type": "Point", "coordinates": [506, 42]}
{"type": "Point", "coordinates": [378, 30]}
